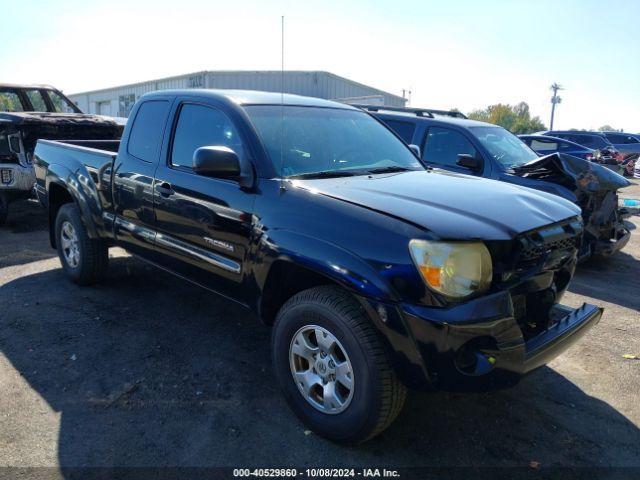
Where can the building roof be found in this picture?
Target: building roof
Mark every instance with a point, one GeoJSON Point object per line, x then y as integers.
{"type": "Point", "coordinates": [227, 72]}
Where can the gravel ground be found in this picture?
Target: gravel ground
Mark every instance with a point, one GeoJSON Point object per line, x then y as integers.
{"type": "Point", "coordinates": [146, 370]}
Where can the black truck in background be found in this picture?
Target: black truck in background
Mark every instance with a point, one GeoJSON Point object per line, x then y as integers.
{"type": "Point", "coordinates": [31, 112]}
{"type": "Point", "coordinates": [375, 272]}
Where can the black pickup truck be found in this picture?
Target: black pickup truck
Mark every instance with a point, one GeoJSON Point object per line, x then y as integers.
{"type": "Point", "coordinates": [30, 112]}
{"type": "Point", "coordinates": [375, 272]}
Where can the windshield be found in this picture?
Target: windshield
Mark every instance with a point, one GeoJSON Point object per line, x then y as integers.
{"type": "Point", "coordinates": [504, 146]}
{"type": "Point", "coordinates": [328, 141]}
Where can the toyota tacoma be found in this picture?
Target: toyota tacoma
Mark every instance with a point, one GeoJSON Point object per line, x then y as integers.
{"type": "Point", "coordinates": [376, 273]}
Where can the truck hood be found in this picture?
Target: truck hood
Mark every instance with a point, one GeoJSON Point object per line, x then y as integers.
{"type": "Point", "coordinates": [40, 118]}
{"type": "Point", "coordinates": [451, 205]}
{"type": "Point", "coordinates": [572, 172]}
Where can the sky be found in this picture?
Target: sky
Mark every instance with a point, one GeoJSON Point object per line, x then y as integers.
{"type": "Point", "coordinates": [451, 54]}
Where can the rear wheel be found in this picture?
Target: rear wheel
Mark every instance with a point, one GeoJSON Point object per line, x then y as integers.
{"type": "Point", "coordinates": [83, 259]}
{"type": "Point", "coordinates": [4, 207]}
{"type": "Point", "coordinates": [333, 368]}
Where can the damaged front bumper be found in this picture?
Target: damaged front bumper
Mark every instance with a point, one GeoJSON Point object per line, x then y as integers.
{"type": "Point", "coordinates": [605, 248]}
{"type": "Point", "coordinates": [477, 345]}
{"type": "Point", "coordinates": [16, 179]}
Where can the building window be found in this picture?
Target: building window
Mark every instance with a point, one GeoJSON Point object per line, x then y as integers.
{"type": "Point", "coordinates": [196, 81]}
{"type": "Point", "coordinates": [126, 104]}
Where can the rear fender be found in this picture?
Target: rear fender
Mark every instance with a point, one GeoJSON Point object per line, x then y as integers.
{"type": "Point", "coordinates": [84, 193]}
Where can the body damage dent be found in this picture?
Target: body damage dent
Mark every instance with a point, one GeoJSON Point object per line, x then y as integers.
{"type": "Point", "coordinates": [595, 188]}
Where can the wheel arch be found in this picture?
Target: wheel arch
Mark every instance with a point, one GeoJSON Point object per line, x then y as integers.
{"type": "Point", "coordinates": [64, 187]}
{"type": "Point", "coordinates": [300, 262]}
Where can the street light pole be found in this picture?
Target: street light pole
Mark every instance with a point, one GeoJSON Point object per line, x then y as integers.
{"type": "Point", "coordinates": [554, 101]}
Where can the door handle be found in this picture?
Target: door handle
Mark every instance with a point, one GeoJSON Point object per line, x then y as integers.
{"type": "Point", "coordinates": [164, 189]}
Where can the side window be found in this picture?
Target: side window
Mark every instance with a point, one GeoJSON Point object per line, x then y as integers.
{"type": "Point", "coordinates": [403, 129]}
{"type": "Point", "coordinates": [621, 139]}
{"type": "Point", "coordinates": [200, 126]}
{"type": "Point", "coordinates": [60, 104]}
{"type": "Point", "coordinates": [591, 141]}
{"type": "Point", "coordinates": [10, 101]}
{"type": "Point", "coordinates": [443, 146]}
{"type": "Point", "coordinates": [567, 147]}
{"type": "Point", "coordinates": [37, 100]}
{"type": "Point", "coordinates": [544, 145]}
{"type": "Point", "coordinates": [147, 129]}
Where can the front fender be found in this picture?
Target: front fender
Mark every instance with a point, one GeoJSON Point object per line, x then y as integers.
{"type": "Point", "coordinates": [336, 263]}
{"type": "Point", "coordinates": [82, 193]}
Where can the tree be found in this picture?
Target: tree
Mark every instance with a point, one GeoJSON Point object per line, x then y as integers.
{"type": "Point", "coordinates": [515, 118]}
{"type": "Point", "coordinates": [608, 128]}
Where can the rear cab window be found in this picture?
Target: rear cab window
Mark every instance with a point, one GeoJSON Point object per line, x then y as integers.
{"type": "Point", "coordinates": [147, 129]}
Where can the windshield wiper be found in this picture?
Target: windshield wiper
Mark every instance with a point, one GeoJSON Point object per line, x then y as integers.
{"type": "Point", "coordinates": [391, 169]}
{"type": "Point", "coordinates": [327, 174]}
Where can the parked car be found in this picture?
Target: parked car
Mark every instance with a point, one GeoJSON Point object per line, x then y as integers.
{"type": "Point", "coordinates": [455, 143]}
{"type": "Point", "coordinates": [375, 272]}
{"type": "Point", "coordinates": [601, 141]}
{"type": "Point", "coordinates": [29, 112]}
{"type": "Point", "coordinates": [626, 143]}
{"type": "Point", "coordinates": [544, 145]}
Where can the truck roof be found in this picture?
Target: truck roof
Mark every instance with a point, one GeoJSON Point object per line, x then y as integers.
{"type": "Point", "coordinates": [253, 97]}
{"type": "Point", "coordinates": [26, 85]}
{"type": "Point", "coordinates": [464, 122]}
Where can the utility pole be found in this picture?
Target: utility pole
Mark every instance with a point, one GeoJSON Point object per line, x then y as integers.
{"type": "Point", "coordinates": [406, 94]}
{"type": "Point", "coordinates": [554, 101]}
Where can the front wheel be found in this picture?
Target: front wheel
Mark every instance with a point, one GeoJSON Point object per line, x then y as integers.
{"type": "Point", "coordinates": [333, 368]}
{"type": "Point", "coordinates": [83, 259]}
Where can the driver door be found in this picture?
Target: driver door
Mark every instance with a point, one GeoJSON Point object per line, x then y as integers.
{"type": "Point", "coordinates": [203, 224]}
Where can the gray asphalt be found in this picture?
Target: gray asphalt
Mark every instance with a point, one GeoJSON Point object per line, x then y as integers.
{"type": "Point", "coordinates": [146, 370]}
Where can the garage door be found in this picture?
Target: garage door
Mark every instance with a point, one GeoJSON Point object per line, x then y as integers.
{"type": "Point", "coordinates": [104, 108]}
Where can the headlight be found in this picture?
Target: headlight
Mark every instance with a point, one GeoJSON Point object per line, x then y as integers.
{"type": "Point", "coordinates": [454, 269]}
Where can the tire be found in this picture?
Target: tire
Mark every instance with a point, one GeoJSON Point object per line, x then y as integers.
{"type": "Point", "coordinates": [90, 259]}
{"type": "Point", "coordinates": [4, 208]}
{"type": "Point", "coordinates": [376, 396]}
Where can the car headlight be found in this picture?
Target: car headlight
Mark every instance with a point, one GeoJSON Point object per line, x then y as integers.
{"type": "Point", "coordinates": [453, 269]}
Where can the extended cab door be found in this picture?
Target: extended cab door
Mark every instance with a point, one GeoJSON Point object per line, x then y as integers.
{"type": "Point", "coordinates": [203, 224]}
{"type": "Point", "coordinates": [136, 163]}
{"type": "Point", "coordinates": [441, 147]}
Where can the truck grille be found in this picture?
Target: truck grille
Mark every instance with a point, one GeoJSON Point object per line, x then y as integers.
{"type": "Point", "coordinates": [536, 251]}
{"type": "Point", "coordinates": [549, 245]}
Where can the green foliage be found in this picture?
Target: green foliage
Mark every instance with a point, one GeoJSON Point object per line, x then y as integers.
{"type": "Point", "coordinates": [515, 118]}
{"type": "Point", "coordinates": [608, 128]}
{"type": "Point", "coordinates": [9, 102]}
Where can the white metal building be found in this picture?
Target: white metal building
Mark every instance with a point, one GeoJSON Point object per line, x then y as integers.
{"type": "Point", "coordinates": [117, 101]}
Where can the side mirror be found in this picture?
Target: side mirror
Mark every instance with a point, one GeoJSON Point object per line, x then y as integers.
{"type": "Point", "coordinates": [216, 161]}
{"type": "Point", "coordinates": [469, 161]}
{"type": "Point", "coordinates": [415, 149]}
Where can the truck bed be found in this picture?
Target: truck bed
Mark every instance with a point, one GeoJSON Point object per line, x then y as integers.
{"type": "Point", "coordinates": [86, 165]}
